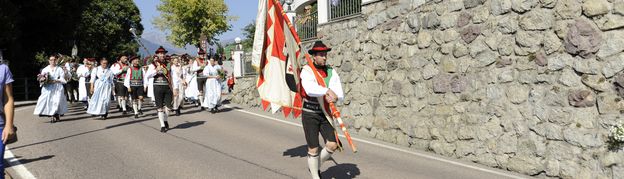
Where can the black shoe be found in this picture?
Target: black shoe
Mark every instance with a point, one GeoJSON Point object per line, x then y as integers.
{"type": "Point", "coordinates": [124, 112]}
{"type": "Point", "coordinates": [177, 112]}
{"type": "Point", "coordinates": [166, 125]}
{"type": "Point", "coordinates": [163, 130]}
{"type": "Point", "coordinates": [140, 112]}
{"type": "Point", "coordinates": [105, 116]}
{"type": "Point", "coordinates": [202, 108]}
{"type": "Point", "coordinates": [136, 116]}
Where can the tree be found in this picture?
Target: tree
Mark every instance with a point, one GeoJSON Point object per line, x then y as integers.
{"type": "Point", "coordinates": [187, 20]}
{"type": "Point", "coordinates": [249, 31]}
{"type": "Point", "coordinates": [104, 29]}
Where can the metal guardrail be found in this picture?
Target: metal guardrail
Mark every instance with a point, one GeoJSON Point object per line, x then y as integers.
{"type": "Point", "coordinates": [344, 8]}
{"type": "Point", "coordinates": [307, 28]}
{"type": "Point", "coordinates": [26, 89]}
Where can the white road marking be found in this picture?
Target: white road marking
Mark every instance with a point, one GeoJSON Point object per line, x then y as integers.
{"type": "Point", "coordinates": [15, 164]}
{"type": "Point", "coordinates": [390, 147]}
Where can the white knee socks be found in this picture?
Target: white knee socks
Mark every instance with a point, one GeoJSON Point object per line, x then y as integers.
{"type": "Point", "coordinates": [123, 104]}
{"type": "Point", "coordinates": [325, 155]}
{"type": "Point", "coordinates": [162, 117]}
{"type": "Point", "coordinates": [135, 107]}
{"type": "Point", "coordinates": [313, 165]}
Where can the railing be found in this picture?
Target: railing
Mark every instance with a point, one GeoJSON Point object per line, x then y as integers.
{"type": "Point", "coordinates": [26, 89]}
{"type": "Point", "coordinates": [306, 25]}
{"type": "Point", "coordinates": [339, 9]}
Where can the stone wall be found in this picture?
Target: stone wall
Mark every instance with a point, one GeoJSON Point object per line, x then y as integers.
{"type": "Point", "coordinates": [530, 86]}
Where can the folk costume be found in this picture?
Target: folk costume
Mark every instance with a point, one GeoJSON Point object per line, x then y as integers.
{"type": "Point", "coordinates": [191, 92]}
{"type": "Point", "coordinates": [84, 75]}
{"type": "Point", "coordinates": [178, 74]}
{"type": "Point", "coordinates": [134, 82]}
{"type": "Point", "coordinates": [198, 67]}
{"type": "Point", "coordinates": [212, 88]}
{"type": "Point", "coordinates": [120, 69]}
{"type": "Point", "coordinates": [102, 79]}
{"type": "Point", "coordinates": [316, 118]}
{"type": "Point", "coordinates": [162, 91]}
{"type": "Point", "coordinates": [52, 101]}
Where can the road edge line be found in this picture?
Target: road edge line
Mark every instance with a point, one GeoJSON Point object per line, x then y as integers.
{"type": "Point", "coordinates": [391, 147]}
{"type": "Point", "coordinates": [15, 165]}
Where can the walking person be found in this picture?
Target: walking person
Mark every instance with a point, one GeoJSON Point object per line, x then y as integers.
{"type": "Point", "coordinates": [52, 101]}
{"type": "Point", "coordinates": [178, 74]}
{"type": "Point", "coordinates": [133, 81]}
{"type": "Point", "coordinates": [120, 69]}
{"type": "Point", "coordinates": [198, 68]}
{"type": "Point", "coordinates": [162, 91]}
{"type": "Point", "coordinates": [84, 82]}
{"type": "Point", "coordinates": [316, 118]}
{"type": "Point", "coordinates": [191, 91]}
{"type": "Point", "coordinates": [213, 87]}
{"type": "Point", "coordinates": [101, 89]}
{"type": "Point", "coordinates": [8, 109]}
{"type": "Point", "coordinates": [69, 71]}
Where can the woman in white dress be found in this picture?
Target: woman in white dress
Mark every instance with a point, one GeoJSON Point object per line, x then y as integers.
{"type": "Point", "coordinates": [83, 72]}
{"type": "Point", "coordinates": [212, 88]}
{"type": "Point", "coordinates": [101, 88]}
{"type": "Point", "coordinates": [52, 101]}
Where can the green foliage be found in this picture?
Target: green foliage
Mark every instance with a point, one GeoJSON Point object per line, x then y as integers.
{"type": "Point", "coordinates": [188, 20]}
{"type": "Point", "coordinates": [33, 29]}
{"type": "Point", "coordinates": [249, 31]}
{"type": "Point", "coordinates": [220, 49]}
{"type": "Point", "coordinates": [104, 29]}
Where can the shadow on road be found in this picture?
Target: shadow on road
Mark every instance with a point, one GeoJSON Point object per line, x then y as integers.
{"type": "Point", "coordinates": [187, 124]}
{"type": "Point", "coordinates": [82, 133]}
{"type": "Point", "coordinates": [301, 151]}
{"type": "Point", "coordinates": [340, 171]}
{"type": "Point", "coordinates": [25, 161]}
{"type": "Point", "coordinates": [228, 109]}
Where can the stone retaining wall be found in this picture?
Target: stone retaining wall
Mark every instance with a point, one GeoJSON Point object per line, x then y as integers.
{"type": "Point", "coordinates": [530, 86]}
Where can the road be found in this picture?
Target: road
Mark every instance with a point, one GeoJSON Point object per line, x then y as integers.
{"type": "Point", "coordinates": [235, 143]}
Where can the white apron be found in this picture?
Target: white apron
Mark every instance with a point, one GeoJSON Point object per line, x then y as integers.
{"type": "Point", "coordinates": [102, 79]}
{"type": "Point", "coordinates": [83, 73]}
{"type": "Point", "coordinates": [212, 89]}
{"type": "Point", "coordinates": [52, 99]}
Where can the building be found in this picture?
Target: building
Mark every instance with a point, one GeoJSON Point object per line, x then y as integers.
{"type": "Point", "coordinates": [307, 15]}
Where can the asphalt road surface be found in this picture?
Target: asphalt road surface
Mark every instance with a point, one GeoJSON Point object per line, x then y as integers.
{"type": "Point", "coordinates": [234, 143]}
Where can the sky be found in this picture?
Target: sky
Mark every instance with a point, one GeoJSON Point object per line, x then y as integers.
{"type": "Point", "coordinates": [245, 10]}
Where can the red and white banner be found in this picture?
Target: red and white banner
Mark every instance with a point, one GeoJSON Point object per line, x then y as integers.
{"type": "Point", "coordinates": [276, 54]}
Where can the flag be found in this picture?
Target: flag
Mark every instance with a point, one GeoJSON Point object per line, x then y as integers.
{"type": "Point", "coordinates": [276, 53]}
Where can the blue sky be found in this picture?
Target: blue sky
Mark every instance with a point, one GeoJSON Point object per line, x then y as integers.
{"type": "Point", "coordinates": [245, 10]}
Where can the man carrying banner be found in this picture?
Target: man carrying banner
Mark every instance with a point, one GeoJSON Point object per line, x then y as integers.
{"type": "Point", "coordinates": [315, 106]}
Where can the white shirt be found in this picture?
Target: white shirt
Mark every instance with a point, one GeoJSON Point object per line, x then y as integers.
{"type": "Point", "coordinates": [313, 89]}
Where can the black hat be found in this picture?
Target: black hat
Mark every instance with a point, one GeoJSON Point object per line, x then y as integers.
{"type": "Point", "coordinates": [161, 49]}
{"type": "Point", "coordinates": [319, 47]}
